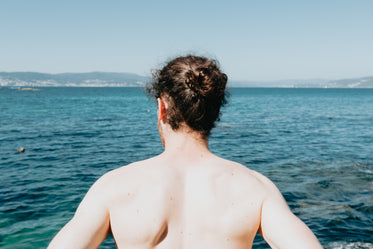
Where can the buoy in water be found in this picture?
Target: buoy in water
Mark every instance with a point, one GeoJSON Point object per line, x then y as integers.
{"type": "Point", "coordinates": [20, 150]}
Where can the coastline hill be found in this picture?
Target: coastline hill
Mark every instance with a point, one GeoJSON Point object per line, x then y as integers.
{"type": "Point", "coordinates": [92, 79]}
{"type": "Point", "coordinates": [364, 82]}
{"type": "Point", "coordinates": [105, 79]}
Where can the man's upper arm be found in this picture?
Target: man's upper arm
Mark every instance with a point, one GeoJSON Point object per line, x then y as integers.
{"type": "Point", "coordinates": [279, 226]}
{"type": "Point", "coordinates": [90, 224]}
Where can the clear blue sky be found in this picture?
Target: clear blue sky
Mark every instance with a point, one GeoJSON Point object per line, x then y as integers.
{"type": "Point", "coordinates": [253, 40]}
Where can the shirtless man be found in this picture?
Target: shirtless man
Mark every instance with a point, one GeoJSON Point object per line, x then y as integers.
{"type": "Point", "coordinates": [185, 197]}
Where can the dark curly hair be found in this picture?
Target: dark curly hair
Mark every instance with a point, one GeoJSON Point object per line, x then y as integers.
{"type": "Point", "coordinates": [194, 87]}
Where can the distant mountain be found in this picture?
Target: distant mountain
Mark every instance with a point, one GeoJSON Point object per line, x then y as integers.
{"type": "Point", "coordinates": [365, 82]}
{"type": "Point", "coordinates": [98, 79]}
{"type": "Point", "coordinates": [71, 79]}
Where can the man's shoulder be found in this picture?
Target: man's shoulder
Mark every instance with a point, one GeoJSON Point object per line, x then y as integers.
{"type": "Point", "coordinates": [129, 171]}
{"type": "Point", "coordinates": [126, 179]}
{"type": "Point", "coordinates": [240, 170]}
{"type": "Point", "coordinates": [247, 177]}
{"type": "Point", "coordinates": [266, 187]}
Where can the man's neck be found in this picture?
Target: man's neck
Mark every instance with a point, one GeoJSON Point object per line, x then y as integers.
{"type": "Point", "coordinates": [186, 145]}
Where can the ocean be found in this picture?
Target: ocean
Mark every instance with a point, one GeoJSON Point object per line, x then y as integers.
{"type": "Point", "coordinates": [316, 145]}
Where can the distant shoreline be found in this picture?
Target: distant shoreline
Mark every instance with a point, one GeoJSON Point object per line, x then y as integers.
{"type": "Point", "coordinates": [38, 88]}
{"type": "Point", "coordinates": [29, 89]}
{"type": "Point", "coordinates": [102, 79]}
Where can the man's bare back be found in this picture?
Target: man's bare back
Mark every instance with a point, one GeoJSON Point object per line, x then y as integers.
{"type": "Point", "coordinates": [185, 198]}
{"type": "Point", "coordinates": [211, 203]}
{"type": "Point", "coordinates": [183, 203]}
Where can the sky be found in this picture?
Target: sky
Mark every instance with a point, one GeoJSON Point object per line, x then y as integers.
{"type": "Point", "coordinates": [259, 40]}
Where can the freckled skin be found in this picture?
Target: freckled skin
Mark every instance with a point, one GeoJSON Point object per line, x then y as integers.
{"type": "Point", "coordinates": [181, 200]}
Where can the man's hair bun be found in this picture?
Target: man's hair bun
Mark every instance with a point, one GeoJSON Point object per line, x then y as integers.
{"type": "Point", "coordinates": [195, 88]}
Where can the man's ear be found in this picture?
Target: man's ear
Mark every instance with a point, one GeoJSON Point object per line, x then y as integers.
{"type": "Point", "coordinates": [161, 110]}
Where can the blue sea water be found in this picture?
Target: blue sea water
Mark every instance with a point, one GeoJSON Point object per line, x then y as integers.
{"type": "Point", "coordinates": [315, 144]}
